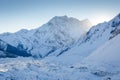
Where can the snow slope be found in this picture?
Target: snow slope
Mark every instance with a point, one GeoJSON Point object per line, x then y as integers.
{"type": "Point", "coordinates": [105, 61]}
{"type": "Point", "coordinates": [107, 54]}
{"type": "Point", "coordinates": [58, 33]}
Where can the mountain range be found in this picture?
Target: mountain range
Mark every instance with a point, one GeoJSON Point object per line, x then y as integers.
{"type": "Point", "coordinates": [58, 33]}
{"type": "Point", "coordinates": [62, 49]}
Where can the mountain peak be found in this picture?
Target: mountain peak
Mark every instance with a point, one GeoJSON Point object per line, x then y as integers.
{"type": "Point", "coordinates": [59, 32]}
{"type": "Point", "coordinates": [59, 18]}
{"type": "Point", "coordinates": [65, 19]}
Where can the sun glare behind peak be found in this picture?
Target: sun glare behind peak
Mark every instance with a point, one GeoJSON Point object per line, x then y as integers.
{"type": "Point", "coordinates": [100, 18]}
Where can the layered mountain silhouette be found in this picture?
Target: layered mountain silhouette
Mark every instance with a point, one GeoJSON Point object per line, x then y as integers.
{"type": "Point", "coordinates": [61, 35]}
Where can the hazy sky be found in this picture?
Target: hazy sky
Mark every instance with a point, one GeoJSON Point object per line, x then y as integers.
{"type": "Point", "coordinates": [18, 14]}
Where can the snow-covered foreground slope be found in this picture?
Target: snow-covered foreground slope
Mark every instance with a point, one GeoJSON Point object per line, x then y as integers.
{"type": "Point", "coordinates": [58, 33]}
{"type": "Point", "coordinates": [106, 59]}
{"type": "Point", "coordinates": [108, 54]}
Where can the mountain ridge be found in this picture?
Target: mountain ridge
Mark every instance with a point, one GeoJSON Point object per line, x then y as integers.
{"type": "Point", "coordinates": [95, 55]}
{"type": "Point", "coordinates": [59, 32]}
{"type": "Point", "coordinates": [93, 39]}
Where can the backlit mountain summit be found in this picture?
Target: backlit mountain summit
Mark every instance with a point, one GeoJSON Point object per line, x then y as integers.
{"type": "Point", "coordinates": [58, 33]}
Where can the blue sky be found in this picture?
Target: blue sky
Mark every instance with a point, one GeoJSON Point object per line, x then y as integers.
{"type": "Point", "coordinates": [18, 14]}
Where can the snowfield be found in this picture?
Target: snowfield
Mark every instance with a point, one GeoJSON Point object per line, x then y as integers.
{"type": "Point", "coordinates": [102, 64]}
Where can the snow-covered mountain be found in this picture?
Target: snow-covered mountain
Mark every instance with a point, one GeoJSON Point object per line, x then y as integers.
{"type": "Point", "coordinates": [102, 64]}
{"type": "Point", "coordinates": [94, 38]}
{"type": "Point", "coordinates": [93, 56]}
{"type": "Point", "coordinates": [58, 33]}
